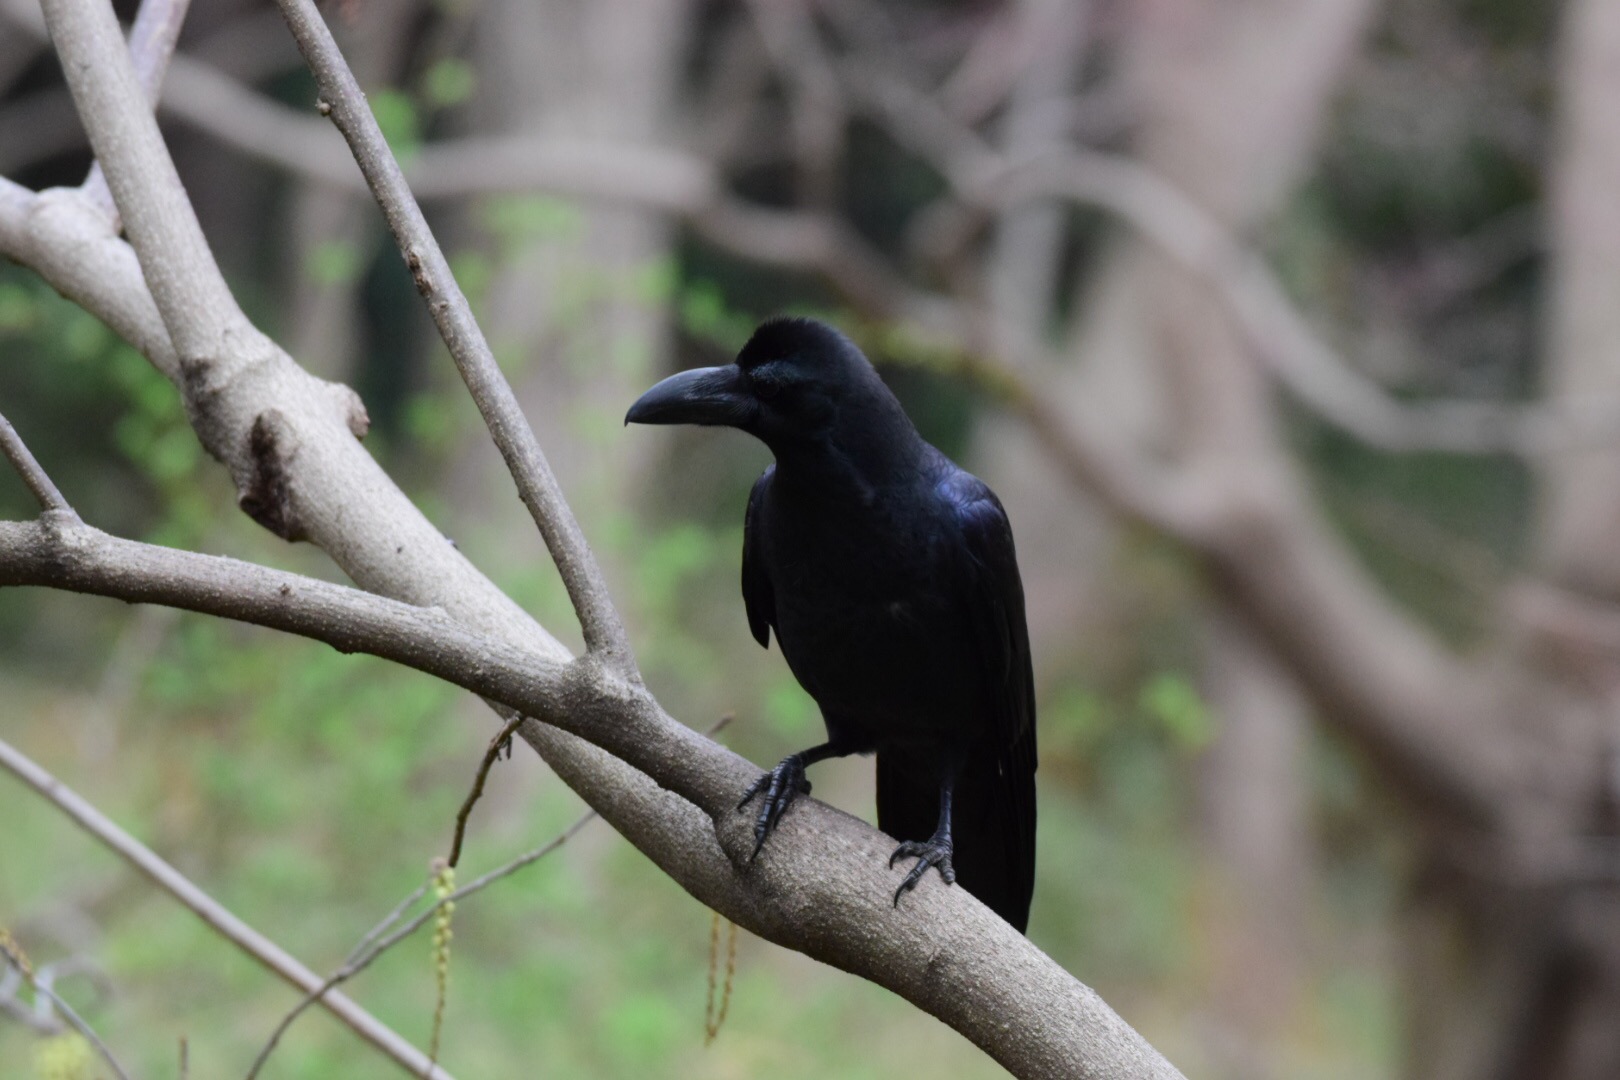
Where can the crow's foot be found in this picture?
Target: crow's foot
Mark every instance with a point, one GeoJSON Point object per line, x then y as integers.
{"type": "Point", "coordinates": [780, 787]}
{"type": "Point", "coordinates": [935, 852]}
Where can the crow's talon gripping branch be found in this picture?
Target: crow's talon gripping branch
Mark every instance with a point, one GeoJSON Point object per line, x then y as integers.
{"type": "Point", "coordinates": [779, 787]}
{"type": "Point", "coordinates": [935, 852]}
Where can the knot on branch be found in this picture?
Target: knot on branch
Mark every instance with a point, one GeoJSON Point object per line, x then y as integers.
{"type": "Point", "coordinates": [266, 496]}
{"type": "Point", "coordinates": [64, 535]}
{"type": "Point", "coordinates": [352, 410]}
{"type": "Point", "coordinates": [199, 383]}
{"type": "Point", "coordinates": [413, 261]}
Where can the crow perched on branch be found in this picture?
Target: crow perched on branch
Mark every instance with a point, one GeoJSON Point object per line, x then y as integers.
{"type": "Point", "coordinates": [888, 576]}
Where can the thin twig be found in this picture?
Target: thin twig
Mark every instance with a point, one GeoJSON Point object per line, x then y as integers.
{"type": "Point", "coordinates": [151, 45]}
{"type": "Point", "coordinates": [74, 1019]}
{"type": "Point", "coordinates": [502, 738]}
{"type": "Point", "coordinates": [363, 954]}
{"type": "Point", "coordinates": [29, 468]}
{"type": "Point", "coordinates": [387, 922]}
{"type": "Point", "coordinates": [481, 883]}
{"type": "Point", "coordinates": [11, 981]}
{"type": "Point", "coordinates": [605, 636]}
{"type": "Point", "coordinates": [356, 965]}
{"type": "Point", "coordinates": [233, 929]}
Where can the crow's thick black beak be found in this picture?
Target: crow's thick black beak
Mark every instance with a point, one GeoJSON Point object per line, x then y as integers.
{"type": "Point", "coordinates": [714, 396]}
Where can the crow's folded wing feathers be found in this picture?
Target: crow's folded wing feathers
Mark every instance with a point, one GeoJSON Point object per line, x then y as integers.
{"type": "Point", "coordinates": [758, 597]}
{"type": "Point", "coordinates": [992, 600]}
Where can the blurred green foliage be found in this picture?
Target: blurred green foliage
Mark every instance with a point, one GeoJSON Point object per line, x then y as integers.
{"type": "Point", "coordinates": [66, 1057]}
{"type": "Point", "coordinates": [449, 81]}
{"type": "Point", "coordinates": [400, 121]}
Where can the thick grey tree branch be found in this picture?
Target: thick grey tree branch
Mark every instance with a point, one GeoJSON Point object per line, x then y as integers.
{"type": "Point", "coordinates": [197, 307]}
{"type": "Point", "coordinates": [219, 919]}
{"type": "Point", "coordinates": [581, 696]}
{"type": "Point", "coordinates": [822, 888]}
{"type": "Point", "coordinates": [151, 44]}
{"type": "Point", "coordinates": [1126, 485]}
{"type": "Point", "coordinates": [497, 404]}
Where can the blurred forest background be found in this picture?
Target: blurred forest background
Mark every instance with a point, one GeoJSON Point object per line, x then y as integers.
{"type": "Point", "coordinates": [1329, 788]}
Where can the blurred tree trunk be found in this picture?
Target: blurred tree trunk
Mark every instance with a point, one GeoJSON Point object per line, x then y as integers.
{"type": "Point", "coordinates": [331, 228]}
{"type": "Point", "coordinates": [1255, 824]}
{"type": "Point", "coordinates": [571, 314]}
{"type": "Point", "coordinates": [1029, 241]}
{"type": "Point", "coordinates": [1518, 976]}
{"type": "Point", "coordinates": [1231, 97]}
{"type": "Point", "coordinates": [1582, 504]}
{"type": "Point", "coordinates": [1062, 548]}
{"type": "Point", "coordinates": [577, 312]}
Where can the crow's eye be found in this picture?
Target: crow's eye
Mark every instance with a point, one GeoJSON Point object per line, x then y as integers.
{"type": "Point", "coordinates": [766, 385]}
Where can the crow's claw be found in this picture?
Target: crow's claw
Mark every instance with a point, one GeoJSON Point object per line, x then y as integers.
{"type": "Point", "coordinates": [935, 852]}
{"type": "Point", "coordinates": [779, 787]}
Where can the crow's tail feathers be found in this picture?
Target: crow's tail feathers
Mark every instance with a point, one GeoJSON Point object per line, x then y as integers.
{"type": "Point", "coordinates": [992, 821]}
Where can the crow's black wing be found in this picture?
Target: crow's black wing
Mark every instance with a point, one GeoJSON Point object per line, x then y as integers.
{"type": "Point", "coordinates": [992, 595]}
{"type": "Point", "coordinates": [996, 794]}
{"type": "Point", "coordinates": [758, 597]}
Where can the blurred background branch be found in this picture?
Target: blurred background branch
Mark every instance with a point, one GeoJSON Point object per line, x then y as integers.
{"type": "Point", "coordinates": [265, 952]}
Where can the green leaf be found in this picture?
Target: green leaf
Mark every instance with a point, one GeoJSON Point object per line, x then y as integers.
{"type": "Point", "coordinates": [788, 709]}
{"type": "Point", "coordinates": [705, 315]}
{"type": "Point", "coordinates": [516, 218]}
{"type": "Point", "coordinates": [18, 311]}
{"type": "Point", "coordinates": [333, 262]}
{"type": "Point", "coordinates": [450, 81]}
{"type": "Point", "coordinates": [642, 1028]}
{"type": "Point", "coordinates": [397, 116]}
{"type": "Point", "coordinates": [473, 271]}
{"type": "Point", "coordinates": [1172, 700]}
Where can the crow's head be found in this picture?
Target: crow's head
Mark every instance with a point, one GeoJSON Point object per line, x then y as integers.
{"type": "Point", "coordinates": [795, 379]}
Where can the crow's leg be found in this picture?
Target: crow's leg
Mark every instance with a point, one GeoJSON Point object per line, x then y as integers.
{"type": "Point", "coordinates": [782, 785]}
{"type": "Point", "coordinates": [935, 851]}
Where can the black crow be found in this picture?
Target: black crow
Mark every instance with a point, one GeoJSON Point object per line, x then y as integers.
{"type": "Point", "coordinates": [889, 577]}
